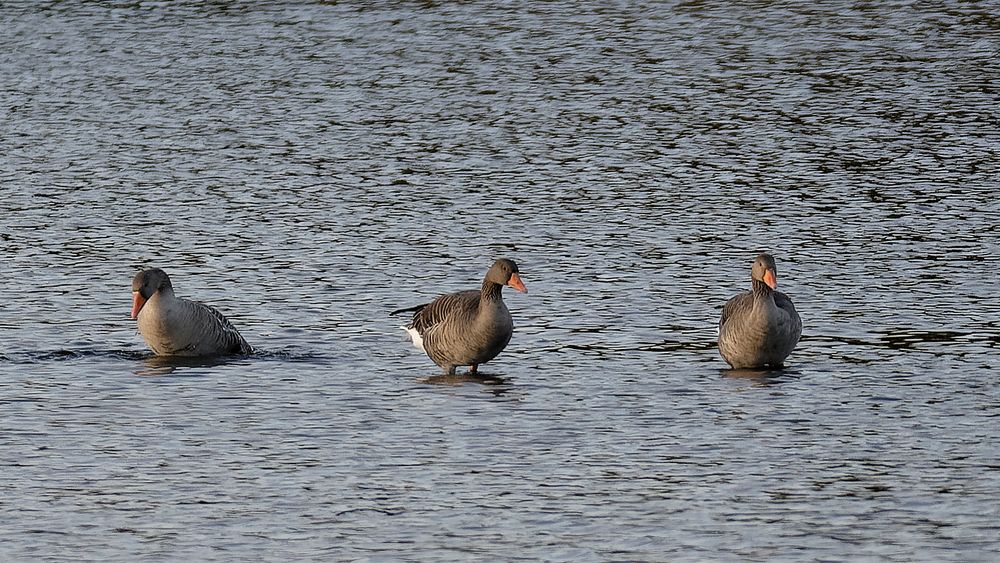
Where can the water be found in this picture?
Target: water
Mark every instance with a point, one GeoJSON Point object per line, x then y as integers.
{"type": "Point", "coordinates": [308, 167]}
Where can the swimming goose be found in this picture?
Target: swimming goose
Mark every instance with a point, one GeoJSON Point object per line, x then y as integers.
{"type": "Point", "coordinates": [172, 326]}
{"type": "Point", "coordinates": [759, 327]}
{"type": "Point", "coordinates": [466, 328]}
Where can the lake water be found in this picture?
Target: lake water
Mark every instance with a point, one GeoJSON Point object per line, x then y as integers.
{"type": "Point", "coordinates": [309, 167]}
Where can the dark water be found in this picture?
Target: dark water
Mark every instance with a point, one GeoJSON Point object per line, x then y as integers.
{"type": "Point", "coordinates": [308, 167]}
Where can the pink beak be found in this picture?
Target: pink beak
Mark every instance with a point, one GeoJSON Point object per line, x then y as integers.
{"type": "Point", "coordinates": [516, 283]}
{"type": "Point", "coordinates": [137, 302]}
{"type": "Point", "coordinates": [770, 279]}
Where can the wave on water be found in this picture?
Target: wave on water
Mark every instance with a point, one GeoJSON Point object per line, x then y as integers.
{"type": "Point", "coordinates": [45, 356]}
{"type": "Point", "coordinates": [62, 354]}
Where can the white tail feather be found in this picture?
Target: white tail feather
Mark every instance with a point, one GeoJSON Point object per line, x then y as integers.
{"type": "Point", "coordinates": [415, 337]}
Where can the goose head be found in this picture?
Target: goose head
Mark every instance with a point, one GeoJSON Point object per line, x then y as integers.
{"type": "Point", "coordinates": [144, 285]}
{"type": "Point", "coordinates": [764, 270]}
{"type": "Point", "coordinates": [504, 272]}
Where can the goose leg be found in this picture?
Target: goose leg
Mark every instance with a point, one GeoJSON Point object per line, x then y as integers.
{"type": "Point", "coordinates": [473, 368]}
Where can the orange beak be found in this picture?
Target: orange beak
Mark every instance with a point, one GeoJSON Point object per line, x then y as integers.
{"type": "Point", "coordinates": [137, 302]}
{"type": "Point", "coordinates": [770, 280]}
{"type": "Point", "coordinates": [516, 283]}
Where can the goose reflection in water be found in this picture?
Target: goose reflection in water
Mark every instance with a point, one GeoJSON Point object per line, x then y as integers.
{"type": "Point", "coordinates": [496, 384]}
{"type": "Point", "coordinates": [181, 366]}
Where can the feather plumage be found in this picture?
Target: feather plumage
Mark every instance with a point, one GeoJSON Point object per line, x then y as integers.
{"type": "Point", "coordinates": [466, 328]}
{"type": "Point", "coordinates": [759, 328]}
{"type": "Point", "coordinates": [172, 326]}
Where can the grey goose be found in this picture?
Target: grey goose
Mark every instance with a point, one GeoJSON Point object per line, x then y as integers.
{"type": "Point", "coordinates": [172, 326]}
{"type": "Point", "coordinates": [466, 328]}
{"type": "Point", "coordinates": [759, 328]}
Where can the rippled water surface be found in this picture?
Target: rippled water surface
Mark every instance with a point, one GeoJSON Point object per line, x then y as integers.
{"type": "Point", "coordinates": [309, 167]}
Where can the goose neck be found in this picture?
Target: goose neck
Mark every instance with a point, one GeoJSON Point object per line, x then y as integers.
{"type": "Point", "coordinates": [491, 291]}
{"type": "Point", "coordinates": [760, 289]}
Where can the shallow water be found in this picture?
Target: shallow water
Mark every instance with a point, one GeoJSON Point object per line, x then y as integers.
{"type": "Point", "coordinates": [308, 168]}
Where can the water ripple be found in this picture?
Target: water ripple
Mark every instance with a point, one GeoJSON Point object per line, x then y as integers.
{"type": "Point", "coordinates": [308, 167]}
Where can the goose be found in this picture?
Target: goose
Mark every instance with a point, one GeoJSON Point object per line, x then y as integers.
{"type": "Point", "coordinates": [466, 328]}
{"type": "Point", "coordinates": [172, 326]}
{"type": "Point", "coordinates": [759, 327]}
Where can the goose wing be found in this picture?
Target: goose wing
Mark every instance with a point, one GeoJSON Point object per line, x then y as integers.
{"type": "Point", "coordinates": [736, 307]}
{"type": "Point", "coordinates": [212, 331]}
{"type": "Point", "coordinates": [785, 304]}
{"type": "Point", "coordinates": [442, 311]}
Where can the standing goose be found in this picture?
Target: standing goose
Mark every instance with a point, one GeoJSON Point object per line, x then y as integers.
{"type": "Point", "coordinates": [177, 327]}
{"type": "Point", "coordinates": [466, 328]}
{"type": "Point", "coordinates": [759, 327]}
